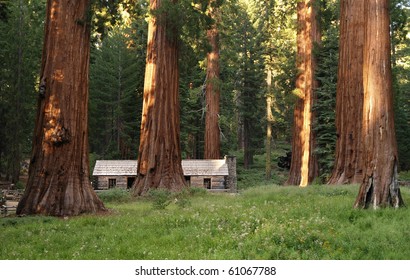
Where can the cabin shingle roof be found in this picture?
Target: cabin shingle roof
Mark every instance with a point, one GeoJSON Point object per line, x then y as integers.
{"type": "Point", "coordinates": [205, 167]}
{"type": "Point", "coordinates": [199, 167]}
{"type": "Point", "coordinates": [115, 168]}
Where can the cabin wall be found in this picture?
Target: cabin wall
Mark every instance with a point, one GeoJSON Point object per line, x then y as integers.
{"type": "Point", "coordinates": [216, 182]}
{"type": "Point", "coordinates": [231, 180]}
{"type": "Point", "coordinates": [103, 182]}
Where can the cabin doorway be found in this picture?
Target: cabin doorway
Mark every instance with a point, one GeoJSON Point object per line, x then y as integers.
{"type": "Point", "coordinates": [207, 183]}
{"type": "Point", "coordinates": [130, 182]}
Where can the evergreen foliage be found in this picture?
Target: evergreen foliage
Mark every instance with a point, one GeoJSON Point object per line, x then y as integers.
{"type": "Point", "coordinates": [325, 128]}
{"type": "Point", "coordinates": [401, 82]}
{"type": "Point", "coordinates": [20, 52]}
{"type": "Point", "coordinates": [192, 102]}
{"type": "Point", "coordinates": [242, 51]}
{"type": "Point", "coordinates": [108, 13]}
{"type": "Point", "coordinates": [116, 84]}
{"type": "Point", "coordinates": [4, 10]}
{"type": "Point", "coordinates": [275, 23]}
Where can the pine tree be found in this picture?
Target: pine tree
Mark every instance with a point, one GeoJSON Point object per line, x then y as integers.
{"type": "Point", "coordinates": [272, 20]}
{"type": "Point", "coordinates": [401, 82]}
{"type": "Point", "coordinates": [20, 54]}
{"type": "Point", "coordinates": [326, 73]}
{"type": "Point", "coordinates": [116, 81]}
{"type": "Point", "coordinates": [249, 90]}
{"type": "Point", "coordinates": [324, 124]}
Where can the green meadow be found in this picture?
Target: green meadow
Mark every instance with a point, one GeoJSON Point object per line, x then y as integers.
{"type": "Point", "coordinates": [261, 222]}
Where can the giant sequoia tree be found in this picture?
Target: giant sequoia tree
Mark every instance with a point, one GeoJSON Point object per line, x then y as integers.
{"type": "Point", "coordinates": [379, 187]}
{"type": "Point", "coordinates": [159, 158]}
{"type": "Point", "coordinates": [212, 134]}
{"type": "Point", "coordinates": [304, 166]}
{"type": "Point", "coordinates": [349, 97]}
{"type": "Point", "coordinates": [58, 182]}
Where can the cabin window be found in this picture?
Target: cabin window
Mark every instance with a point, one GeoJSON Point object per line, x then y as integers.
{"type": "Point", "coordinates": [112, 183]}
{"type": "Point", "coordinates": [207, 183]}
{"type": "Point", "coordinates": [130, 182]}
{"type": "Point", "coordinates": [188, 180]}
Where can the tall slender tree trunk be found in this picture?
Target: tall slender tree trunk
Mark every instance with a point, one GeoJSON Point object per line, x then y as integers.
{"type": "Point", "coordinates": [239, 120]}
{"type": "Point", "coordinates": [212, 133]}
{"type": "Point", "coordinates": [269, 121]}
{"type": "Point", "coordinates": [248, 150]}
{"type": "Point", "coordinates": [304, 166]}
{"type": "Point", "coordinates": [159, 158]}
{"type": "Point", "coordinates": [379, 187]}
{"type": "Point", "coordinates": [15, 160]}
{"type": "Point", "coordinates": [58, 182]}
{"type": "Point", "coordinates": [349, 98]}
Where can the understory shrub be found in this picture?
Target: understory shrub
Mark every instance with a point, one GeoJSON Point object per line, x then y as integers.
{"type": "Point", "coordinates": [115, 195]}
{"type": "Point", "coordinates": [161, 198]}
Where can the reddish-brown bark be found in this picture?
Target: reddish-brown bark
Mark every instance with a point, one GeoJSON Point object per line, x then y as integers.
{"type": "Point", "coordinates": [159, 158]}
{"type": "Point", "coordinates": [349, 98]}
{"type": "Point", "coordinates": [58, 182]}
{"type": "Point", "coordinates": [304, 167]}
{"type": "Point", "coordinates": [379, 187]}
{"type": "Point", "coordinates": [212, 134]}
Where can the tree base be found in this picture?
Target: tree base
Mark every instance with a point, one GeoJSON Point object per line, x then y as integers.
{"type": "Point", "coordinates": [376, 196]}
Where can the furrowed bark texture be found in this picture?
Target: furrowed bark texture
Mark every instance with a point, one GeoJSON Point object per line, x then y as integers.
{"type": "Point", "coordinates": [159, 158]}
{"type": "Point", "coordinates": [304, 166]}
{"type": "Point", "coordinates": [58, 182]}
{"type": "Point", "coordinates": [349, 98]}
{"type": "Point", "coordinates": [379, 187]}
{"type": "Point", "coordinates": [212, 133]}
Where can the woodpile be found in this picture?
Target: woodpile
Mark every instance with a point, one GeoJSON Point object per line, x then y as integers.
{"type": "Point", "coordinates": [9, 201]}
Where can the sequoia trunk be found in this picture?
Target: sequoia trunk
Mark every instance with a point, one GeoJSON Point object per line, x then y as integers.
{"type": "Point", "coordinates": [304, 167]}
{"type": "Point", "coordinates": [212, 134]}
{"type": "Point", "coordinates": [58, 182]}
{"type": "Point", "coordinates": [159, 158]}
{"type": "Point", "coordinates": [379, 187]}
{"type": "Point", "coordinates": [349, 98]}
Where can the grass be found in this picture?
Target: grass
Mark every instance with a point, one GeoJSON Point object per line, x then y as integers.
{"type": "Point", "coordinates": [264, 222]}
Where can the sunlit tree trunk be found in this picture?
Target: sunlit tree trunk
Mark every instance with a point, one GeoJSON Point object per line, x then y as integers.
{"type": "Point", "coordinates": [159, 158]}
{"type": "Point", "coordinates": [304, 167]}
{"type": "Point", "coordinates": [212, 134]}
{"type": "Point", "coordinates": [379, 187]}
{"type": "Point", "coordinates": [58, 182]}
{"type": "Point", "coordinates": [349, 98]}
{"type": "Point", "coordinates": [269, 121]}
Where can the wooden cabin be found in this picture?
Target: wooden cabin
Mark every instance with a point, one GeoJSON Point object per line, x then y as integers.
{"type": "Point", "coordinates": [110, 174]}
{"type": "Point", "coordinates": [212, 174]}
